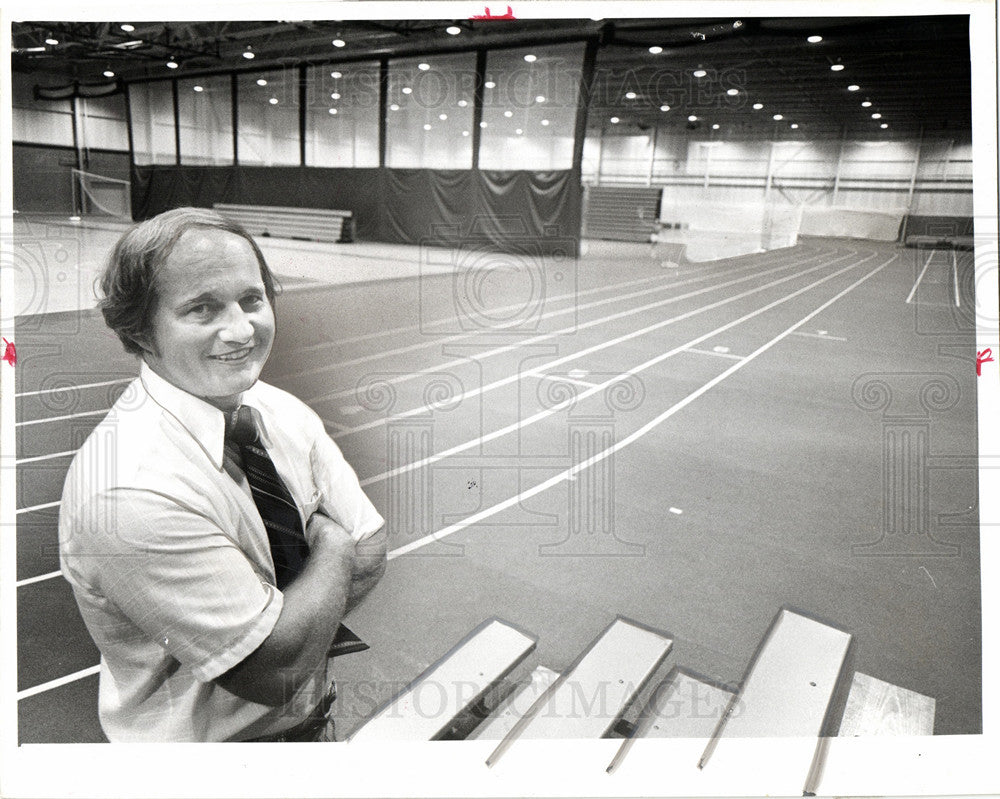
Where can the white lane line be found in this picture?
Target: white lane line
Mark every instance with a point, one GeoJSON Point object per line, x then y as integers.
{"type": "Point", "coordinates": [818, 335]}
{"type": "Point", "coordinates": [53, 456]}
{"type": "Point", "coordinates": [79, 415]}
{"type": "Point", "coordinates": [919, 278]}
{"type": "Point", "coordinates": [48, 686]}
{"type": "Point", "coordinates": [398, 331]}
{"type": "Point", "coordinates": [33, 508]}
{"type": "Point", "coordinates": [716, 354]}
{"type": "Point", "coordinates": [628, 440]}
{"type": "Point", "coordinates": [59, 389]}
{"type": "Point", "coordinates": [544, 414]}
{"type": "Point", "coordinates": [423, 409]}
{"type": "Point", "coordinates": [562, 379]}
{"type": "Point", "coordinates": [38, 579]}
{"type": "Point", "coordinates": [575, 308]}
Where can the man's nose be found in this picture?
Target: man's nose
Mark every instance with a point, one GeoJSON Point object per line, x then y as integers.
{"type": "Point", "coordinates": [237, 326]}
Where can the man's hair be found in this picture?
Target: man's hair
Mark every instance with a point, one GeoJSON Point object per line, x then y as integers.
{"type": "Point", "coordinates": [128, 285]}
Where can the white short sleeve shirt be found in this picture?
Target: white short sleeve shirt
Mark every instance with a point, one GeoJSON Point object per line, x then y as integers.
{"type": "Point", "coordinates": [170, 563]}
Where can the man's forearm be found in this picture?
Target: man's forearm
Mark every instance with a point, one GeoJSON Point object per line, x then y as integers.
{"type": "Point", "coordinates": [369, 566]}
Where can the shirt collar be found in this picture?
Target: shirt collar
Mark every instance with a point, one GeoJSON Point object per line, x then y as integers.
{"type": "Point", "coordinates": [205, 423]}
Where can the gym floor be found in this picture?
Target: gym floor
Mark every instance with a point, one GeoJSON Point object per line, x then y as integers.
{"type": "Point", "coordinates": [558, 441]}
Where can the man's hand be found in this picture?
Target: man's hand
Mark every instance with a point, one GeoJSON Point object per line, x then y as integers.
{"type": "Point", "coordinates": [323, 532]}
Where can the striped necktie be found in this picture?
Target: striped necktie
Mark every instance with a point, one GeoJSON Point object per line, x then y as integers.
{"type": "Point", "coordinates": [278, 511]}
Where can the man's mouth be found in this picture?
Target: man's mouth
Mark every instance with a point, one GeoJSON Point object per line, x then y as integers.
{"type": "Point", "coordinates": [235, 356]}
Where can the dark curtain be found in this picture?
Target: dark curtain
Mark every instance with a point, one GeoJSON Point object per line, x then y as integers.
{"type": "Point", "coordinates": [439, 207]}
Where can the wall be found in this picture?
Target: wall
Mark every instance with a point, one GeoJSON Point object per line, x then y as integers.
{"type": "Point", "coordinates": [931, 177]}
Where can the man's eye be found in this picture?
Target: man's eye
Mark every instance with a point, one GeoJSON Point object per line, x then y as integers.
{"type": "Point", "coordinates": [252, 301]}
{"type": "Point", "coordinates": [202, 309]}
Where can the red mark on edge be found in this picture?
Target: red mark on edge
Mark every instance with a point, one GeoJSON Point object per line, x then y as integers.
{"type": "Point", "coordinates": [9, 353]}
{"type": "Point", "coordinates": [986, 356]}
{"type": "Point", "coordinates": [488, 15]}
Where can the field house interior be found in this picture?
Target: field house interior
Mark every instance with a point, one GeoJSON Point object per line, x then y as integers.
{"type": "Point", "coordinates": [665, 319]}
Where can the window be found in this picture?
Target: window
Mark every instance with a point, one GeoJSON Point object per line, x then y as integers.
{"type": "Point", "coordinates": [429, 112]}
{"type": "Point", "coordinates": [268, 118]}
{"type": "Point", "coordinates": [205, 116]}
{"type": "Point", "coordinates": [529, 107]}
{"type": "Point", "coordinates": [152, 106]}
{"type": "Point", "coordinates": [342, 115]}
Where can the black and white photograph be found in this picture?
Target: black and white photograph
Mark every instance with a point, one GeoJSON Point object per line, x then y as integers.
{"type": "Point", "coordinates": [539, 399]}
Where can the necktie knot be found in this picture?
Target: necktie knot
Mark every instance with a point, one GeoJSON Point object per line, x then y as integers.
{"type": "Point", "coordinates": [240, 427]}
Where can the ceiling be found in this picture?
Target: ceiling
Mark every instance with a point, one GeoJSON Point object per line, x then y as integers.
{"type": "Point", "coordinates": [915, 71]}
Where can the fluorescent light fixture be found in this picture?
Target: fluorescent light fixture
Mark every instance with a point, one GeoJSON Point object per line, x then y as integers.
{"type": "Point", "coordinates": [336, 75]}
{"type": "Point", "coordinates": [545, 123]}
{"type": "Point", "coordinates": [334, 95]}
{"type": "Point", "coordinates": [531, 58]}
{"type": "Point", "coordinates": [615, 120]}
{"type": "Point", "coordinates": [837, 67]}
{"type": "Point", "coordinates": [630, 95]}
{"type": "Point", "coordinates": [814, 39]}
{"type": "Point", "coordinates": [261, 82]}
{"type": "Point", "coordinates": [407, 90]}
{"type": "Point", "coordinates": [732, 92]}
{"type": "Point", "coordinates": [423, 66]}
{"type": "Point", "coordinates": [463, 103]}
{"type": "Point", "coordinates": [699, 73]}
{"type": "Point", "coordinates": [866, 104]}
{"type": "Point", "coordinates": [172, 64]}
{"type": "Point", "coordinates": [109, 73]}
{"type": "Point", "coordinates": [656, 49]}
{"type": "Point", "coordinates": [394, 107]}
{"type": "Point", "coordinates": [490, 84]}
{"type": "Point", "coordinates": [273, 101]}
{"type": "Point", "coordinates": [664, 107]}
{"type": "Point", "coordinates": [199, 88]}
{"type": "Point", "coordinates": [853, 87]}
{"type": "Point", "coordinates": [716, 126]}
{"type": "Point", "coordinates": [778, 117]}
{"type": "Point", "coordinates": [454, 30]}
{"type": "Point", "coordinates": [540, 98]}
{"type": "Point", "coordinates": [692, 118]}
{"type": "Point", "coordinates": [333, 111]}
{"type": "Point", "coordinates": [338, 43]}
{"type": "Point", "coordinates": [757, 106]}
{"type": "Point", "coordinates": [127, 27]}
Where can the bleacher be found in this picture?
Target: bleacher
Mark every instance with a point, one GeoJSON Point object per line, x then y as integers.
{"type": "Point", "coordinates": [310, 224]}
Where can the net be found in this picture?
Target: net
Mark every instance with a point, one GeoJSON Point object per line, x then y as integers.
{"type": "Point", "coordinates": [102, 195]}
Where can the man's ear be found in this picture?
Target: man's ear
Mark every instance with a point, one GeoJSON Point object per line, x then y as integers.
{"type": "Point", "coordinates": [146, 345]}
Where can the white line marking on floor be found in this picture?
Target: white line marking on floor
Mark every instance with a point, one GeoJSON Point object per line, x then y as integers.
{"type": "Point", "coordinates": [818, 335]}
{"type": "Point", "coordinates": [544, 414]}
{"type": "Point", "coordinates": [79, 415]}
{"type": "Point", "coordinates": [51, 457]}
{"type": "Point", "coordinates": [752, 274]}
{"type": "Point", "coordinates": [33, 508]}
{"type": "Point", "coordinates": [38, 579]}
{"type": "Point", "coordinates": [720, 349]}
{"type": "Point", "coordinates": [628, 440]}
{"type": "Point", "coordinates": [577, 374]}
{"type": "Point", "coordinates": [59, 389]}
{"type": "Point", "coordinates": [423, 409]}
{"type": "Point", "coordinates": [678, 511]}
{"type": "Point", "coordinates": [714, 353]}
{"type": "Point", "coordinates": [562, 379]}
{"type": "Point", "coordinates": [48, 686]}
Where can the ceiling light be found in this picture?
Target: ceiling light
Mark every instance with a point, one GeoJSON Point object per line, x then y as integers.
{"type": "Point", "coordinates": [778, 117]}
{"type": "Point", "coordinates": [664, 108]}
{"type": "Point", "coordinates": [814, 39]}
{"type": "Point", "coordinates": [52, 40]}
{"type": "Point", "coordinates": [757, 106]}
{"type": "Point", "coordinates": [199, 88]}
{"type": "Point", "coordinates": [273, 101]}
{"type": "Point", "coordinates": [490, 84]}
{"type": "Point", "coordinates": [699, 73]}
{"type": "Point", "coordinates": [442, 117]}
{"type": "Point", "coordinates": [716, 126]}
{"type": "Point", "coordinates": [876, 116]}
{"type": "Point", "coordinates": [454, 30]}
{"type": "Point", "coordinates": [656, 49]}
{"type": "Point", "coordinates": [463, 103]}
{"type": "Point", "coordinates": [615, 120]}
{"type": "Point", "coordinates": [836, 67]}
{"type": "Point", "coordinates": [126, 27]}
{"type": "Point", "coordinates": [545, 123]}
{"type": "Point", "coordinates": [732, 92]}
{"type": "Point", "coordinates": [261, 82]}
{"type": "Point", "coordinates": [335, 95]}
{"type": "Point", "coordinates": [394, 107]}
{"type": "Point", "coordinates": [853, 87]}
{"type": "Point", "coordinates": [692, 118]}
{"type": "Point", "coordinates": [629, 95]}
{"type": "Point", "coordinates": [172, 63]}
{"type": "Point", "coordinates": [338, 43]}
{"type": "Point", "coordinates": [508, 114]}
{"type": "Point", "coordinates": [407, 90]}
{"type": "Point", "coordinates": [465, 133]}
{"type": "Point", "coordinates": [333, 111]}
{"type": "Point", "coordinates": [248, 53]}
{"type": "Point", "coordinates": [427, 126]}
{"type": "Point", "coordinates": [866, 104]}
{"type": "Point", "coordinates": [884, 125]}
{"type": "Point", "coordinates": [423, 67]}
{"type": "Point", "coordinates": [336, 75]}
{"type": "Point", "coordinates": [540, 98]}
{"type": "Point", "coordinates": [482, 124]}
{"type": "Point", "coordinates": [795, 126]}
{"type": "Point", "coordinates": [531, 58]}
{"type": "Point", "coordinates": [518, 131]}
{"type": "Point", "coordinates": [109, 73]}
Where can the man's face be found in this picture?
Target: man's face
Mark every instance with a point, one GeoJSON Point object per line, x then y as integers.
{"type": "Point", "coordinates": [213, 325]}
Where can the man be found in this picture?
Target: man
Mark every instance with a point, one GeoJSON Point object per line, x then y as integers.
{"type": "Point", "coordinates": [213, 612]}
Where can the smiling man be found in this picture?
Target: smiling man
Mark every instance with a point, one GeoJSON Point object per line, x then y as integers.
{"type": "Point", "coordinates": [212, 532]}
